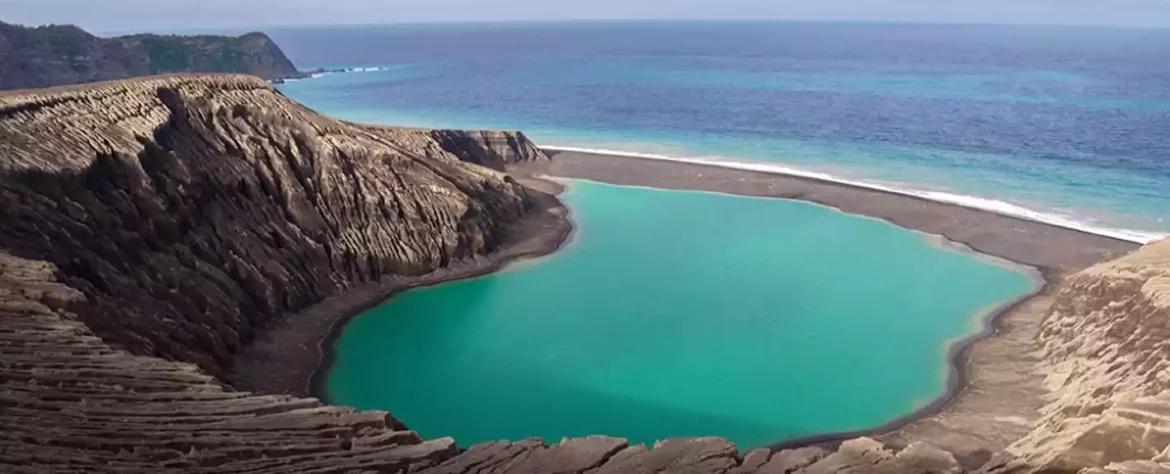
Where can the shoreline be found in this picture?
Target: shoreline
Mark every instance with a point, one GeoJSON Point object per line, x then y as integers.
{"type": "Point", "coordinates": [995, 360]}
{"type": "Point", "coordinates": [266, 366]}
{"type": "Point", "coordinates": [984, 204]}
{"type": "Point", "coordinates": [1050, 250]}
{"type": "Point", "coordinates": [958, 350]}
{"type": "Point", "coordinates": [1016, 239]}
{"type": "Point", "coordinates": [958, 354]}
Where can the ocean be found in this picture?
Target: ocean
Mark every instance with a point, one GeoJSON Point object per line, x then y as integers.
{"type": "Point", "coordinates": [1066, 125]}
{"type": "Point", "coordinates": [676, 314]}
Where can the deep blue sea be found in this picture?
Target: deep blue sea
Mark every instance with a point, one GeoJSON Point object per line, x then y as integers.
{"type": "Point", "coordinates": [1069, 125]}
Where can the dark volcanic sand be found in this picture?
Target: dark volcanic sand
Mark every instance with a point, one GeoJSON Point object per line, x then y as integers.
{"type": "Point", "coordinates": [995, 396]}
{"type": "Point", "coordinates": [1032, 243]}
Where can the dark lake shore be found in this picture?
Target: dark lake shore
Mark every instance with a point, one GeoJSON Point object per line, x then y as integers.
{"type": "Point", "coordinates": [294, 355]}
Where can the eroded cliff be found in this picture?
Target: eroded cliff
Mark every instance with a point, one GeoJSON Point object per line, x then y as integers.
{"type": "Point", "coordinates": [149, 228]}
{"type": "Point", "coordinates": [492, 149]}
{"type": "Point", "coordinates": [192, 211]}
{"type": "Point", "coordinates": [1106, 362]}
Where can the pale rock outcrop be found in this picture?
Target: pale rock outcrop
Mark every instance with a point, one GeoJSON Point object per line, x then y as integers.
{"type": "Point", "coordinates": [1106, 356]}
{"type": "Point", "coordinates": [864, 455]}
{"type": "Point", "coordinates": [1130, 467]}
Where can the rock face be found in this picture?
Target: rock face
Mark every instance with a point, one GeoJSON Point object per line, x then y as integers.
{"type": "Point", "coordinates": [192, 211]}
{"type": "Point", "coordinates": [492, 149]}
{"type": "Point", "coordinates": [1106, 356]}
{"type": "Point", "coordinates": [72, 403]}
{"type": "Point", "coordinates": [150, 227]}
{"type": "Point", "coordinates": [56, 55]}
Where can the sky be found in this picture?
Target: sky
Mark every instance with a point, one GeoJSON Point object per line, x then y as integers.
{"type": "Point", "coordinates": [110, 16]}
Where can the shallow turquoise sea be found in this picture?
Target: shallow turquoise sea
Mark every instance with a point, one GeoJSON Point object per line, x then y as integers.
{"type": "Point", "coordinates": [676, 313]}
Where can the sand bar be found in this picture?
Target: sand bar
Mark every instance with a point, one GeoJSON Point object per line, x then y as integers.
{"type": "Point", "coordinates": [1036, 244]}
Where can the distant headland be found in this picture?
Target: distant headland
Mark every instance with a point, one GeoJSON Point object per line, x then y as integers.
{"type": "Point", "coordinates": [45, 56]}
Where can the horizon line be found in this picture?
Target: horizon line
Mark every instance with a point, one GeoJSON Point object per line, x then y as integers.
{"type": "Point", "coordinates": [425, 22]}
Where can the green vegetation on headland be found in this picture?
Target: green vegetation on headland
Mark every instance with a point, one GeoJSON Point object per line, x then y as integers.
{"type": "Point", "coordinates": [65, 54]}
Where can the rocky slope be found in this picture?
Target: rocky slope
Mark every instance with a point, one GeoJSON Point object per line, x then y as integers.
{"type": "Point", "coordinates": [64, 54]}
{"type": "Point", "coordinates": [1106, 358]}
{"type": "Point", "coordinates": [192, 211]}
{"type": "Point", "coordinates": [488, 148]}
{"type": "Point", "coordinates": [150, 228]}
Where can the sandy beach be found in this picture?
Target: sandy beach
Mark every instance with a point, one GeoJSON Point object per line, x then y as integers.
{"type": "Point", "coordinates": [993, 396]}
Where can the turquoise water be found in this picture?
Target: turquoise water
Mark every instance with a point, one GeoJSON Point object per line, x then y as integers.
{"type": "Point", "coordinates": [1065, 125]}
{"type": "Point", "coordinates": [677, 313]}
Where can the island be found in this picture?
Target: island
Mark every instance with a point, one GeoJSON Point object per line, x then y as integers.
{"type": "Point", "coordinates": [174, 249]}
